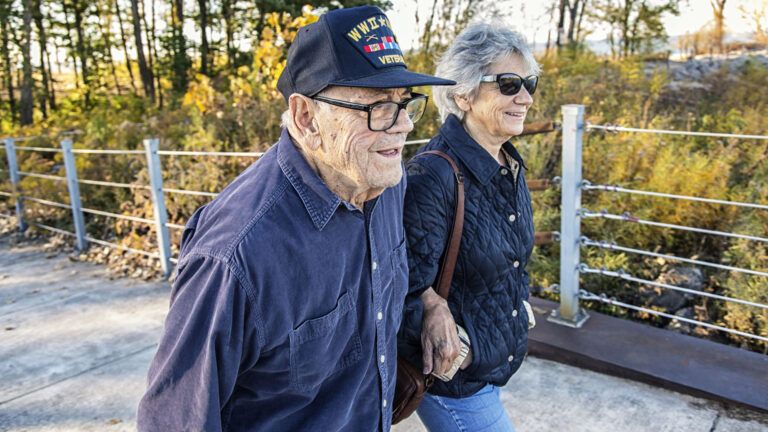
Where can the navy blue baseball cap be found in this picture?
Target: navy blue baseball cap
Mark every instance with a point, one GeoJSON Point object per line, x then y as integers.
{"type": "Point", "coordinates": [352, 47]}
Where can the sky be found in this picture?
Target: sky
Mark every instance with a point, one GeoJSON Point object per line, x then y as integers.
{"type": "Point", "coordinates": [533, 19]}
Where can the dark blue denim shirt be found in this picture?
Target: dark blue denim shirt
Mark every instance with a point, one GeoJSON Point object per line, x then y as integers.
{"type": "Point", "coordinates": [285, 308]}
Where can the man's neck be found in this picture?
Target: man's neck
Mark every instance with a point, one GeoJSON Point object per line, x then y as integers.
{"type": "Point", "coordinates": [338, 183]}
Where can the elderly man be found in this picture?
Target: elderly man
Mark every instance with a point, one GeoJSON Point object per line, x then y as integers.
{"type": "Point", "coordinates": [291, 282]}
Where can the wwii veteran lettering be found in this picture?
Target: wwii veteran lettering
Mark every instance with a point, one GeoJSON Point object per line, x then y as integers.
{"type": "Point", "coordinates": [375, 40]}
{"type": "Point", "coordinates": [290, 286]}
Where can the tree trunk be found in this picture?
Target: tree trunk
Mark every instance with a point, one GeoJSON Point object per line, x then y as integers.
{"type": "Point", "coordinates": [147, 80]}
{"type": "Point", "coordinates": [106, 31]}
{"type": "Point", "coordinates": [78, 9]}
{"type": "Point", "coordinates": [229, 30]}
{"type": "Point", "coordinates": [718, 10]}
{"type": "Point", "coordinates": [180, 59]}
{"type": "Point", "coordinates": [204, 49]}
{"type": "Point", "coordinates": [27, 103]}
{"type": "Point", "coordinates": [70, 41]}
{"type": "Point", "coordinates": [5, 31]}
{"type": "Point", "coordinates": [573, 16]}
{"type": "Point", "coordinates": [153, 56]}
{"type": "Point", "coordinates": [125, 46]}
{"type": "Point", "coordinates": [37, 16]}
{"type": "Point", "coordinates": [561, 23]}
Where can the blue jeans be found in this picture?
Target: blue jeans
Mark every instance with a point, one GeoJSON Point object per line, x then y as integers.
{"type": "Point", "coordinates": [482, 411]}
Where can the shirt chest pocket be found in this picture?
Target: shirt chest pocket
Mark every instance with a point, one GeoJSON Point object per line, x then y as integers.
{"type": "Point", "coordinates": [323, 346]}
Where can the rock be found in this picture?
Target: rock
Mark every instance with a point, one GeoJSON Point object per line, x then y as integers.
{"type": "Point", "coordinates": [684, 277]}
{"type": "Point", "coordinates": [681, 326]}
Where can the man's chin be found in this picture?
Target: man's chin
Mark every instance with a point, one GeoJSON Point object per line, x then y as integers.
{"type": "Point", "coordinates": [389, 180]}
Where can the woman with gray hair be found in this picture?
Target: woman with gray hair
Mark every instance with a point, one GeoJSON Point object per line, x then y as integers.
{"type": "Point", "coordinates": [476, 339]}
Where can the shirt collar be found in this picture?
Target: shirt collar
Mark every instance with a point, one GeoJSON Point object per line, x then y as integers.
{"type": "Point", "coordinates": [481, 164]}
{"type": "Point", "coordinates": [319, 201]}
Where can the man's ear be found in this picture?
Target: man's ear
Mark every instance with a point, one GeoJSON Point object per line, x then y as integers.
{"type": "Point", "coordinates": [303, 111]}
{"type": "Point", "coordinates": [462, 102]}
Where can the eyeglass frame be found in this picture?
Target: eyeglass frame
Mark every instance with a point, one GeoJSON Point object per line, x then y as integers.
{"type": "Point", "coordinates": [369, 108]}
{"type": "Point", "coordinates": [495, 78]}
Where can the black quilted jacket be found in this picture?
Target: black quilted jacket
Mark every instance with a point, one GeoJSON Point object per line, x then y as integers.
{"type": "Point", "coordinates": [490, 282]}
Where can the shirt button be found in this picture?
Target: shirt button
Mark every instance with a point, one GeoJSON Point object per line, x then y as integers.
{"type": "Point", "coordinates": [379, 316]}
{"type": "Point", "coordinates": [375, 265]}
{"type": "Point", "coordinates": [383, 358]}
{"type": "Point", "coordinates": [510, 358]}
{"type": "Point", "coordinates": [384, 403]}
{"type": "Point", "coordinates": [514, 313]}
{"type": "Point", "coordinates": [504, 171]}
{"type": "Point", "coordinates": [512, 218]}
{"type": "Point", "coordinates": [516, 264]}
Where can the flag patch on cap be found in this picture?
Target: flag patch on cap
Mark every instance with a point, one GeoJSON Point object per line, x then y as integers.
{"type": "Point", "coordinates": [374, 39]}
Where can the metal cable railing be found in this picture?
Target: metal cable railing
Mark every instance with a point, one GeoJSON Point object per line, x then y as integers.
{"type": "Point", "coordinates": [573, 128]}
{"type": "Point", "coordinates": [113, 184]}
{"type": "Point", "coordinates": [626, 217]}
{"type": "Point", "coordinates": [613, 246]}
{"type": "Point", "coordinates": [208, 153]}
{"type": "Point", "coordinates": [46, 202]}
{"type": "Point", "coordinates": [608, 188]}
{"type": "Point", "coordinates": [616, 128]}
{"type": "Point", "coordinates": [621, 274]}
{"type": "Point", "coordinates": [190, 192]}
{"type": "Point", "coordinates": [42, 176]}
{"type": "Point", "coordinates": [39, 149]}
{"type": "Point", "coordinates": [118, 216]}
{"type": "Point", "coordinates": [586, 295]}
{"type": "Point", "coordinates": [108, 152]}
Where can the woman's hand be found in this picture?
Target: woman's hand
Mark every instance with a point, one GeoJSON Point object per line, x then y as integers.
{"type": "Point", "coordinates": [439, 339]}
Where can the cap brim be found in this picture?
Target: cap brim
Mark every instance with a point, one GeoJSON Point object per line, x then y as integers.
{"type": "Point", "coordinates": [394, 78]}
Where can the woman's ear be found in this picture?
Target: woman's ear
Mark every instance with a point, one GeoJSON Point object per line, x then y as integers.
{"type": "Point", "coordinates": [303, 122]}
{"type": "Point", "coordinates": [462, 102]}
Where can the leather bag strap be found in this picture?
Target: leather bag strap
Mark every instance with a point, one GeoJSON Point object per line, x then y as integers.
{"type": "Point", "coordinates": [454, 240]}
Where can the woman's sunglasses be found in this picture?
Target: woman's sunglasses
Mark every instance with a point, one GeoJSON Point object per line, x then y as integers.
{"type": "Point", "coordinates": [511, 83]}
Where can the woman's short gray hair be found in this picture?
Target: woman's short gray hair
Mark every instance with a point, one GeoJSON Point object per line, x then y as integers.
{"type": "Point", "coordinates": [470, 56]}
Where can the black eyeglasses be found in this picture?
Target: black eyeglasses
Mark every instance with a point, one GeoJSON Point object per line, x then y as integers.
{"type": "Point", "coordinates": [511, 83]}
{"type": "Point", "coordinates": [383, 115]}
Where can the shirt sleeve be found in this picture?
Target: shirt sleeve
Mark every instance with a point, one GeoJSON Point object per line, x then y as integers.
{"type": "Point", "coordinates": [427, 222]}
{"type": "Point", "coordinates": [210, 335]}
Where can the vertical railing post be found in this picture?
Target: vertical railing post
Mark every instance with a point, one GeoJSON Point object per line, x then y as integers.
{"type": "Point", "coordinates": [570, 313]}
{"type": "Point", "coordinates": [158, 199]}
{"type": "Point", "coordinates": [74, 193]}
{"type": "Point", "coordinates": [13, 171]}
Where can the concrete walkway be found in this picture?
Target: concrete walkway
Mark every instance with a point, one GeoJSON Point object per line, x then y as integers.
{"type": "Point", "coordinates": [75, 347]}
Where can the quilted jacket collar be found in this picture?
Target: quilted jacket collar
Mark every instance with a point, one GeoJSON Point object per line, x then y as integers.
{"type": "Point", "coordinates": [482, 165]}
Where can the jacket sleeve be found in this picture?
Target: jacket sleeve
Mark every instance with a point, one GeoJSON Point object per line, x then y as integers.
{"type": "Point", "coordinates": [210, 334]}
{"type": "Point", "coordinates": [426, 219]}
